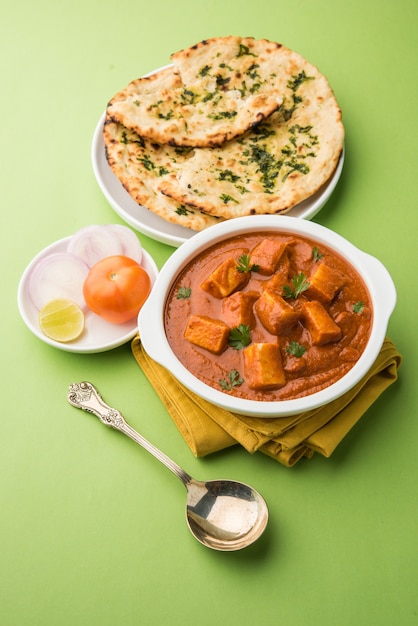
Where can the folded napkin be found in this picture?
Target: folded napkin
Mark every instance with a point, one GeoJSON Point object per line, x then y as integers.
{"type": "Point", "coordinates": [208, 428]}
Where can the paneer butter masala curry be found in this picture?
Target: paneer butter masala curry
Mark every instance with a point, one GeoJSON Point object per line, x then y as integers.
{"type": "Point", "coordinates": [268, 316]}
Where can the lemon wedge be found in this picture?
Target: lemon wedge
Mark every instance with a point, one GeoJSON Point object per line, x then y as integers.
{"type": "Point", "coordinates": [61, 319]}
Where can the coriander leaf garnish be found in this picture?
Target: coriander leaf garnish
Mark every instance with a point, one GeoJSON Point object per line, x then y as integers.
{"type": "Point", "coordinates": [221, 81]}
{"type": "Point", "coordinates": [295, 167]}
{"type": "Point", "coordinates": [228, 175]}
{"type": "Point", "coordinates": [239, 337]}
{"type": "Point", "coordinates": [316, 255]}
{"type": "Point", "coordinates": [296, 349]}
{"type": "Point", "coordinates": [244, 264]}
{"type": "Point", "coordinates": [222, 115]}
{"type": "Point", "coordinates": [298, 79]}
{"type": "Point", "coordinates": [188, 96]}
{"type": "Point", "coordinates": [358, 307]}
{"type": "Point", "coordinates": [233, 380]}
{"type": "Point", "coordinates": [184, 293]}
{"type": "Point", "coordinates": [243, 50]}
{"type": "Point", "coordinates": [182, 210]}
{"type": "Point", "coordinates": [166, 116]}
{"type": "Point", "coordinates": [147, 162]}
{"type": "Point", "coordinates": [252, 71]}
{"type": "Point", "coordinates": [227, 198]}
{"type": "Point", "coordinates": [300, 283]}
{"type": "Point", "coordinates": [204, 71]}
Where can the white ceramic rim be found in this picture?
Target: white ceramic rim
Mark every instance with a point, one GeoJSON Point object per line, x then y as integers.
{"type": "Point", "coordinates": [101, 336]}
{"type": "Point", "coordinates": [150, 224]}
{"type": "Point", "coordinates": [377, 278]}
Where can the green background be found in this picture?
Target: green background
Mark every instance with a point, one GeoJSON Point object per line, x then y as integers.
{"type": "Point", "coordinates": [92, 528]}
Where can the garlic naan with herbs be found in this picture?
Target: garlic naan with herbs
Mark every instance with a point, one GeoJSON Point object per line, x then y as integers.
{"type": "Point", "coordinates": [270, 166]}
{"type": "Point", "coordinates": [213, 92]}
{"type": "Point", "coordinates": [139, 166]}
{"type": "Point", "coordinates": [273, 167]}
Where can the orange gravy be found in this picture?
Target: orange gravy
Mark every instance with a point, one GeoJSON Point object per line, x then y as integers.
{"type": "Point", "coordinates": [308, 366]}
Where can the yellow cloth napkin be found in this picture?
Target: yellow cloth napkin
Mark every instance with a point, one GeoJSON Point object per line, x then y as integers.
{"type": "Point", "coordinates": [207, 428]}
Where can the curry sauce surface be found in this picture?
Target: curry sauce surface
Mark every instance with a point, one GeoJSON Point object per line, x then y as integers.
{"type": "Point", "coordinates": [319, 366]}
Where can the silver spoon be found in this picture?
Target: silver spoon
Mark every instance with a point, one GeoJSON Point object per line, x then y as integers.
{"type": "Point", "coordinates": [222, 514]}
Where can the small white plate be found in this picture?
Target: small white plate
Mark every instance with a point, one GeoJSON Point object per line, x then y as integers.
{"type": "Point", "coordinates": [98, 335]}
{"type": "Point", "coordinates": [146, 222]}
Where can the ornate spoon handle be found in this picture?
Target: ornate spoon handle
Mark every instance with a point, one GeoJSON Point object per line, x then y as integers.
{"type": "Point", "coordinates": [86, 397]}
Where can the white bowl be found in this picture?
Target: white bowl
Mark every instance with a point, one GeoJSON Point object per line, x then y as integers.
{"type": "Point", "coordinates": [376, 277]}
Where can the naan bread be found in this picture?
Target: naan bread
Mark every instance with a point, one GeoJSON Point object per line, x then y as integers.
{"type": "Point", "coordinates": [139, 166]}
{"type": "Point", "coordinates": [213, 92]}
{"type": "Point", "coordinates": [279, 160]}
{"type": "Point", "coordinates": [277, 165]}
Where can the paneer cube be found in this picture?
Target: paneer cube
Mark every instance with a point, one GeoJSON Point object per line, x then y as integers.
{"type": "Point", "coordinates": [263, 367]}
{"type": "Point", "coordinates": [225, 279]}
{"type": "Point", "coordinates": [275, 314]}
{"type": "Point", "coordinates": [280, 276]}
{"type": "Point", "coordinates": [324, 283]}
{"type": "Point", "coordinates": [266, 255]}
{"type": "Point", "coordinates": [209, 334]}
{"type": "Point", "coordinates": [320, 324]}
{"type": "Point", "coordinates": [238, 308]}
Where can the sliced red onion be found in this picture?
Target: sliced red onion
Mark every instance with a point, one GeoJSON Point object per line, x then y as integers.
{"type": "Point", "coordinates": [93, 243]}
{"type": "Point", "coordinates": [130, 243]}
{"type": "Point", "coordinates": [59, 275]}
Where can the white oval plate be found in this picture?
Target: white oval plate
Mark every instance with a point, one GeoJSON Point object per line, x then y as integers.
{"type": "Point", "coordinates": [98, 335]}
{"type": "Point", "coordinates": [146, 222]}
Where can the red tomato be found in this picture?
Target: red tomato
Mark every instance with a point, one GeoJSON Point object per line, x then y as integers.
{"type": "Point", "coordinates": [116, 287]}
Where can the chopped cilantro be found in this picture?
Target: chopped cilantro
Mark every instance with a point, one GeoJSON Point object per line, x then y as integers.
{"type": "Point", "coordinates": [252, 71]}
{"type": "Point", "coordinates": [188, 96]}
{"type": "Point", "coordinates": [204, 70]}
{"type": "Point", "coordinates": [226, 198]}
{"type": "Point", "coordinates": [295, 167]}
{"type": "Point", "coordinates": [229, 176]}
{"type": "Point", "coordinates": [296, 349]}
{"type": "Point", "coordinates": [222, 115]}
{"type": "Point", "coordinates": [146, 162]}
{"type": "Point", "coordinates": [221, 81]}
{"type": "Point", "coordinates": [182, 210]}
{"type": "Point", "coordinates": [243, 50]}
{"type": "Point", "coordinates": [239, 337]}
{"type": "Point", "coordinates": [166, 116]}
{"type": "Point", "coordinates": [244, 264]}
{"type": "Point", "coordinates": [233, 380]}
{"type": "Point", "coordinates": [298, 80]}
{"type": "Point", "coordinates": [316, 255]}
{"type": "Point", "coordinates": [300, 283]}
{"type": "Point", "coordinates": [184, 293]}
{"type": "Point", "coordinates": [208, 96]}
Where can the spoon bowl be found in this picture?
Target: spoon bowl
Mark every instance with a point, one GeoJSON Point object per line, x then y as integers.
{"type": "Point", "coordinates": [223, 515]}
